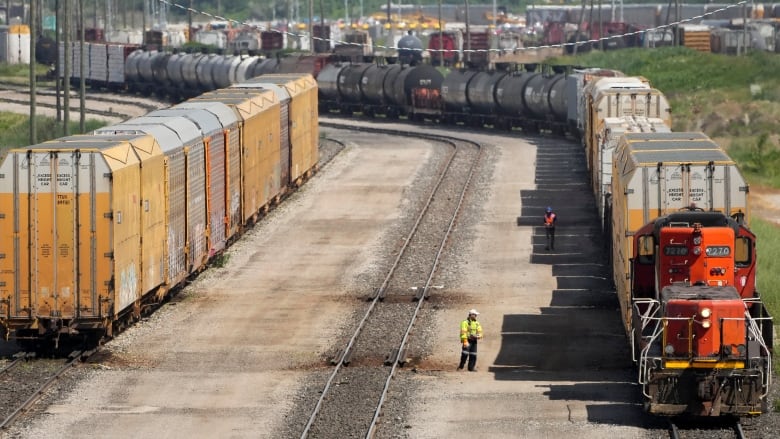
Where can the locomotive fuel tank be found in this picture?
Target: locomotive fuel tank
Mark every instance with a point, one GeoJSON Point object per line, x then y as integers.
{"type": "Point", "coordinates": [453, 90]}
{"type": "Point", "coordinates": [481, 91]}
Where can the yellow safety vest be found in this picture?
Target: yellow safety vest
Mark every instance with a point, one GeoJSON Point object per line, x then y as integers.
{"type": "Point", "coordinates": [470, 329]}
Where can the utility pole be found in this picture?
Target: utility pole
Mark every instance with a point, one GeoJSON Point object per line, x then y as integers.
{"type": "Point", "coordinates": [57, 65]}
{"type": "Point", "coordinates": [579, 29]}
{"type": "Point", "coordinates": [311, 25]}
{"type": "Point", "coordinates": [33, 34]}
{"type": "Point", "coordinates": [66, 71]}
{"type": "Point", "coordinates": [83, 63]}
{"type": "Point", "coordinates": [441, 39]}
{"type": "Point", "coordinates": [468, 35]}
{"type": "Point", "coordinates": [143, 23]}
{"type": "Point", "coordinates": [601, 29]}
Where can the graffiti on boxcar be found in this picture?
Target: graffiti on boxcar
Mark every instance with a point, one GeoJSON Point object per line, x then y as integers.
{"type": "Point", "coordinates": [128, 284]}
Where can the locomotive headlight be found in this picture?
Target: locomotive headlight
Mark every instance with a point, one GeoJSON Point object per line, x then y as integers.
{"type": "Point", "coordinates": [706, 324]}
{"type": "Point", "coordinates": [669, 349]}
{"type": "Point", "coordinates": [705, 312]}
{"type": "Point", "coordinates": [697, 251]}
{"type": "Point", "coordinates": [697, 240]}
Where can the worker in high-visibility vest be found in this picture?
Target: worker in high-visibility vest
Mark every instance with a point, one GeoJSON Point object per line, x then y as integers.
{"type": "Point", "coordinates": [549, 227]}
{"type": "Point", "coordinates": [470, 333]}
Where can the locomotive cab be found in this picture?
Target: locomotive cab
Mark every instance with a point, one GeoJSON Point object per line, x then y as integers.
{"type": "Point", "coordinates": [694, 248]}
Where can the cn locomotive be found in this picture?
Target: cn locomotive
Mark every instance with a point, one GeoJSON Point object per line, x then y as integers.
{"type": "Point", "coordinates": [673, 205]}
{"type": "Point", "coordinates": [95, 228]}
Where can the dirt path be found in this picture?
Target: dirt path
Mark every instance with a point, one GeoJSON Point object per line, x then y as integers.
{"type": "Point", "coordinates": [765, 203]}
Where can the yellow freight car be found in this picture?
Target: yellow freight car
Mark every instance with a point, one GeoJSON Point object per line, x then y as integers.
{"type": "Point", "coordinates": [258, 112]}
{"type": "Point", "coordinates": [219, 127]}
{"type": "Point", "coordinates": [72, 212]}
{"type": "Point", "coordinates": [655, 174]}
{"type": "Point", "coordinates": [185, 188]}
{"type": "Point", "coordinates": [300, 100]}
{"type": "Point", "coordinates": [94, 227]}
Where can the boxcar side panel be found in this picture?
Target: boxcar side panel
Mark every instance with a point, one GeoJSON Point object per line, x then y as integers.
{"type": "Point", "coordinates": [153, 223]}
{"type": "Point", "coordinates": [126, 215]}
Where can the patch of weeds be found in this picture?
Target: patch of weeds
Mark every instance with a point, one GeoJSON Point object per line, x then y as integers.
{"type": "Point", "coordinates": [220, 260]}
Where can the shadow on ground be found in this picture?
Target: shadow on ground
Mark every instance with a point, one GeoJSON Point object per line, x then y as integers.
{"type": "Point", "coordinates": [578, 340]}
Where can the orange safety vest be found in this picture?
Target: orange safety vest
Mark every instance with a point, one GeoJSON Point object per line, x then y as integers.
{"type": "Point", "coordinates": [549, 220]}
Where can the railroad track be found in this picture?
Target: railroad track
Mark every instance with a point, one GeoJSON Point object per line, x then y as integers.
{"type": "Point", "coordinates": [364, 368]}
{"type": "Point", "coordinates": [26, 378]}
{"type": "Point", "coordinates": [97, 103]}
{"type": "Point", "coordinates": [706, 428]}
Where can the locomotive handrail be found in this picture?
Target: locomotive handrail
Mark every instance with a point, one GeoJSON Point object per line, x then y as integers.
{"type": "Point", "coordinates": [653, 306]}
{"type": "Point", "coordinates": [756, 332]}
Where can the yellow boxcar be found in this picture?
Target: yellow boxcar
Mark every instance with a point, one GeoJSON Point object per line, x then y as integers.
{"type": "Point", "coordinates": [71, 218]}
{"type": "Point", "coordinates": [184, 179]}
{"type": "Point", "coordinates": [303, 123]}
{"type": "Point", "coordinates": [259, 113]}
{"type": "Point", "coordinates": [655, 174]}
{"type": "Point", "coordinates": [223, 162]}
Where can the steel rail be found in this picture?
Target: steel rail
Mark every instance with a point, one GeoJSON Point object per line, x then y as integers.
{"type": "Point", "coordinates": [74, 357]}
{"type": "Point", "coordinates": [376, 299]}
{"type": "Point", "coordinates": [93, 95]}
{"type": "Point", "coordinates": [17, 361]}
{"type": "Point", "coordinates": [404, 341]}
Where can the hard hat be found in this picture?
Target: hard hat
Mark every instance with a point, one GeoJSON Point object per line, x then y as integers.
{"type": "Point", "coordinates": [473, 311]}
{"type": "Point", "coordinates": [548, 210]}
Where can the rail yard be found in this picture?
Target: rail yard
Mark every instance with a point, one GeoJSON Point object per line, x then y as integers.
{"type": "Point", "coordinates": [330, 307]}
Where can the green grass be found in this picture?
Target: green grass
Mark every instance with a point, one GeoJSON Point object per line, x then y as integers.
{"type": "Point", "coordinates": [768, 274]}
{"type": "Point", "coordinates": [734, 100]}
{"type": "Point", "coordinates": [679, 70]}
{"type": "Point", "coordinates": [758, 161]}
{"type": "Point", "coordinates": [15, 130]}
{"type": "Point", "coordinates": [19, 74]}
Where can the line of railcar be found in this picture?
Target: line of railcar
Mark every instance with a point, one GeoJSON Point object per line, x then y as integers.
{"type": "Point", "coordinates": [673, 205]}
{"type": "Point", "coordinates": [96, 227]}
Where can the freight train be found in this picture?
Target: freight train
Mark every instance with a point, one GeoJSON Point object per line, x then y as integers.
{"type": "Point", "coordinates": [95, 228]}
{"type": "Point", "coordinates": [673, 205]}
